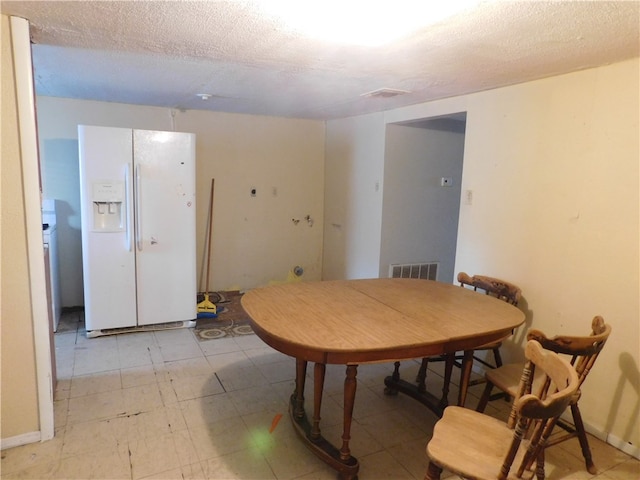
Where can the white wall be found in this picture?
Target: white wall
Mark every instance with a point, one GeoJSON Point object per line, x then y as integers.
{"type": "Point", "coordinates": [419, 216]}
{"type": "Point", "coordinates": [554, 169]}
{"type": "Point", "coordinates": [353, 197]}
{"type": "Point", "coordinates": [254, 239]}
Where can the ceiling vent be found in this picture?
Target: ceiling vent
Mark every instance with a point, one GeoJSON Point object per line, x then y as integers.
{"type": "Point", "coordinates": [384, 93]}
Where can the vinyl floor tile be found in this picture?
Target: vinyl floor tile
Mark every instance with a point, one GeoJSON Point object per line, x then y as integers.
{"type": "Point", "coordinates": [165, 405]}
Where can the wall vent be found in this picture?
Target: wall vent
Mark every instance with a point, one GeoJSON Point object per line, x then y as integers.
{"type": "Point", "coordinates": [427, 271]}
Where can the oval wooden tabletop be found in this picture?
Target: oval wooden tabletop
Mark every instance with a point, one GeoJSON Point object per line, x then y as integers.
{"type": "Point", "coordinates": [358, 321]}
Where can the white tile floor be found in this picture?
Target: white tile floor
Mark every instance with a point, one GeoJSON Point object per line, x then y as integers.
{"type": "Point", "coordinates": [165, 405]}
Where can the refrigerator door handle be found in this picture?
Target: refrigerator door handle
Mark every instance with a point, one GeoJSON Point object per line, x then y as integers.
{"type": "Point", "coordinates": [127, 220]}
{"type": "Point", "coordinates": [137, 211]}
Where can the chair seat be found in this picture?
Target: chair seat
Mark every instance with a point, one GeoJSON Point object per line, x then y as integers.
{"type": "Point", "coordinates": [484, 444]}
{"type": "Point", "coordinates": [507, 378]}
{"type": "Point", "coordinates": [583, 352]}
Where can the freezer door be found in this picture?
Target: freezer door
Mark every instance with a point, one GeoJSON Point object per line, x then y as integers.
{"type": "Point", "coordinates": [107, 221]}
{"type": "Point", "coordinates": [164, 173]}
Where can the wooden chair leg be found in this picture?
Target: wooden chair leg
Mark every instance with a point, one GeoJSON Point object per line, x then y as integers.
{"type": "Point", "coordinates": [465, 375]}
{"type": "Point", "coordinates": [540, 465]}
{"type": "Point", "coordinates": [484, 399]}
{"type": "Point", "coordinates": [433, 472]}
{"type": "Point", "coordinates": [497, 357]}
{"type": "Point", "coordinates": [582, 437]}
{"type": "Point", "coordinates": [448, 370]}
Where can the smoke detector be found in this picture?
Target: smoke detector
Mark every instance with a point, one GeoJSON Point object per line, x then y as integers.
{"type": "Point", "coordinates": [385, 93]}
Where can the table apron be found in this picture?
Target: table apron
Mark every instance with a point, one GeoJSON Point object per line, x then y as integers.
{"type": "Point", "coordinates": [306, 353]}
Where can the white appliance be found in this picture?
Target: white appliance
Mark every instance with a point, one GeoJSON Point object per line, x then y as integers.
{"type": "Point", "coordinates": [50, 240]}
{"type": "Point", "coordinates": [137, 191]}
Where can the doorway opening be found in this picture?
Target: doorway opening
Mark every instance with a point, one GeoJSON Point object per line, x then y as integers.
{"type": "Point", "coordinates": [422, 192]}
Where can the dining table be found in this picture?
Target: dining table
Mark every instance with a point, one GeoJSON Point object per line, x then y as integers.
{"type": "Point", "coordinates": [354, 322]}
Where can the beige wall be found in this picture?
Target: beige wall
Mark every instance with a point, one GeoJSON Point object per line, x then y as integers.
{"type": "Point", "coordinates": [354, 163]}
{"type": "Point", "coordinates": [19, 406]}
{"type": "Point", "coordinates": [554, 170]}
{"type": "Point", "coordinates": [255, 241]}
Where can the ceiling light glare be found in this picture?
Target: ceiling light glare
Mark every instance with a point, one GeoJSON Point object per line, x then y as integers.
{"type": "Point", "coordinates": [361, 22]}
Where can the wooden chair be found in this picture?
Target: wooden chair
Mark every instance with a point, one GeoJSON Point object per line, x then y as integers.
{"type": "Point", "coordinates": [474, 445]}
{"type": "Point", "coordinates": [495, 287]}
{"type": "Point", "coordinates": [583, 351]}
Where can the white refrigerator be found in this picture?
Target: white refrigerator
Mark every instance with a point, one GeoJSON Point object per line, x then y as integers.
{"type": "Point", "coordinates": [138, 206]}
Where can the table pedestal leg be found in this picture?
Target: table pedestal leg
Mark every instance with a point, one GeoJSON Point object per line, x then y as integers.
{"type": "Point", "coordinates": [350, 385]}
{"type": "Point", "coordinates": [318, 377]}
{"type": "Point", "coordinates": [390, 388]}
{"type": "Point", "coordinates": [301, 375]}
{"type": "Point", "coordinates": [394, 384]}
{"type": "Point", "coordinates": [422, 375]}
{"type": "Point", "coordinates": [346, 465]}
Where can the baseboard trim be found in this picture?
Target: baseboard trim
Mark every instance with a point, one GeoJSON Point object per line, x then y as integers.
{"type": "Point", "coordinates": [18, 440]}
{"type": "Point", "coordinates": [626, 447]}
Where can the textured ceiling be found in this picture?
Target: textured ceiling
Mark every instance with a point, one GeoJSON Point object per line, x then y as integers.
{"type": "Point", "coordinates": [164, 53]}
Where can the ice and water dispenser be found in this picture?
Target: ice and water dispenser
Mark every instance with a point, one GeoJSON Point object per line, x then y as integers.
{"type": "Point", "coordinates": [108, 206]}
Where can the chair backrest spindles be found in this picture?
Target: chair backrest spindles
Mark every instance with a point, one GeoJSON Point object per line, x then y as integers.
{"type": "Point", "coordinates": [540, 408]}
{"type": "Point", "coordinates": [492, 286]}
{"type": "Point", "coordinates": [584, 351]}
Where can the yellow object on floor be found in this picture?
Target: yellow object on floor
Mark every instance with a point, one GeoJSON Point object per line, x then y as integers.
{"type": "Point", "coordinates": [206, 306]}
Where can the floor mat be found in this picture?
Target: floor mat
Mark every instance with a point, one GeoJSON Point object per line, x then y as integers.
{"type": "Point", "coordinates": [232, 320]}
